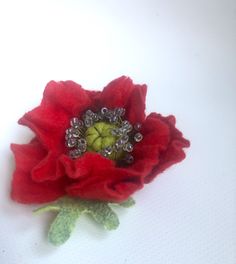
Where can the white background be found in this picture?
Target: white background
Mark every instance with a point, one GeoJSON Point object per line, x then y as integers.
{"type": "Point", "coordinates": [185, 51]}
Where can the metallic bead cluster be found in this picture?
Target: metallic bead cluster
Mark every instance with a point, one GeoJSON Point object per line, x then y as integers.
{"type": "Point", "coordinates": [126, 134]}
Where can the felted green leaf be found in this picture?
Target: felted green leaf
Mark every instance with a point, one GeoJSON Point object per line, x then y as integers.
{"type": "Point", "coordinates": [70, 209]}
{"type": "Point", "coordinates": [47, 208]}
{"type": "Point", "coordinates": [128, 203]}
{"type": "Point", "coordinates": [62, 227]}
{"type": "Point", "coordinates": [103, 214]}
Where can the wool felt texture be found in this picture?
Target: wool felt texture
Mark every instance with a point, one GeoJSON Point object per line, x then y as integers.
{"type": "Point", "coordinates": [70, 209]}
{"type": "Point", "coordinates": [44, 171]}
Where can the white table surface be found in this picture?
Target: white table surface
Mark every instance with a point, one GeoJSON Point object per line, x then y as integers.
{"type": "Point", "coordinates": [185, 51]}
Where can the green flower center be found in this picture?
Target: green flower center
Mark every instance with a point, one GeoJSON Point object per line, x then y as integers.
{"type": "Point", "coordinates": [99, 137]}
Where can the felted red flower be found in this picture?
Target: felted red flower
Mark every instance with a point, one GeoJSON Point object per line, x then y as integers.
{"type": "Point", "coordinates": [94, 145]}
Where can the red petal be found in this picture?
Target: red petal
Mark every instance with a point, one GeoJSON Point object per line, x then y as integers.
{"type": "Point", "coordinates": [24, 189]}
{"type": "Point", "coordinates": [107, 184]}
{"type": "Point", "coordinates": [86, 165]}
{"type": "Point", "coordinates": [48, 169]}
{"type": "Point", "coordinates": [123, 93]}
{"type": "Point", "coordinates": [96, 177]}
{"type": "Point", "coordinates": [174, 151]}
{"type": "Point", "coordinates": [61, 101]}
{"type": "Point", "coordinates": [135, 107]}
{"type": "Point", "coordinates": [117, 92]}
{"type": "Point", "coordinates": [146, 152]}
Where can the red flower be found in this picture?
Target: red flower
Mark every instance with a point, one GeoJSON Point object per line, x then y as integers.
{"type": "Point", "coordinates": [45, 171]}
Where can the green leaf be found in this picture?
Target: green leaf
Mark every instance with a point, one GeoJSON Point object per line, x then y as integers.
{"type": "Point", "coordinates": [70, 209]}
{"type": "Point", "coordinates": [128, 203]}
{"type": "Point", "coordinates": [47, 208]}
{"type": "Point", "coordinates": [62, 226]}
{"type": "Point", "coordinates": [103, 214]}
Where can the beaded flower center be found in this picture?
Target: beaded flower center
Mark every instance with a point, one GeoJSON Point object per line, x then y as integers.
{"type": "Point", "coordinates": [104, 132]}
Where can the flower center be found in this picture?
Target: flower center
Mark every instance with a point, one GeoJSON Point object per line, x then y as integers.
{"type": "Point", "coordinates": [104, 132]}
{"type": "Point", "coordinates": [99, 137]}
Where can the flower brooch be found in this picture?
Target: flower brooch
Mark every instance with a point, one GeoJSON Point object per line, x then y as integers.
{"type": "Point", "coordinates": [91, 150]}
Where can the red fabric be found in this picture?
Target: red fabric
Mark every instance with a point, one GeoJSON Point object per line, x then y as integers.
{"type": "Point", "coordinates": [44, 172]}
{"type": "Point", "coordinates": [24, 188]}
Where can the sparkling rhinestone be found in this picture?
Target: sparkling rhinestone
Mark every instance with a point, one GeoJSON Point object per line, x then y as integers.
{"type": "Point", "coordinates": [138, 137]}
{"type": "Point", "coordinates": [71, 142]}
{"type": "Point", "coordinates": [128, 147]}
{"type": "Point", "coordinates": [129, 158]}
{"type": "Point", "coordinates": [104, 110]}
{"type": "Point", "coordinates": [137, 126]}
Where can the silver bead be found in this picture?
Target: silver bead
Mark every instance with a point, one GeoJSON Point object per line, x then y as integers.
{"type": "Point", "coordinates": [75, 153]}
{"type": "Point", "coordinates": [126, 126]}
{"type": "Point", "coordinates": [68, 136]}
{"type": "Point", "coordinates": [119, 111]}
{"type": "Point", "coordinates": [80, 123]}
{"type": "Point", "coordinates": [71, 142]}
{"type": "Point", "coordinates": [75, 133]}
{"type": "Point", "coordinates": [129, 128]}
{"type": "Point", "coordinates": [69, 131]}
{"type": "Point", "coordinates": [128, 147]}
{"type": "Point", "coordinates": [95, 117]}
{"type": "Point", "coordinates": [104, 153]}
{"type": "Point", "coordinates": [124, 123]}
{"type": "Point", "coordinates": [129, 158]}
{"type": "Point", "coordinates": [108, 150]}
{"type": "Point", "coordinates": [114, 131]}
{"type": "Point", "coordinates": [89, 113]}
{"type": "Point", "coordinates": [88, 122]}
{"type": "Point", "coordinates": [104, 110]}
{"type": "Point", "coordinates": [122, 131]}
{"type": "Point", "coordinates": [82, 148]}
{"type": "Point", "coordinates": [109, 115]}
{"type": "Point", "coordinates": [113, 119]}
{"type": "Point", "coordinates": [117, 146]}
{"type": "Point", "coordinates": [124, 139]}
{"type": "Point", "coordinates": [99, 116]}
{"type": "Point", "coordinates": [138, 137]}
{"type": "Point", "coordinates": [82, 145]}
{"type": "Point", "coordinates": [82, 141]}
{"type": "Point", "coordinates": [75, 122]}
